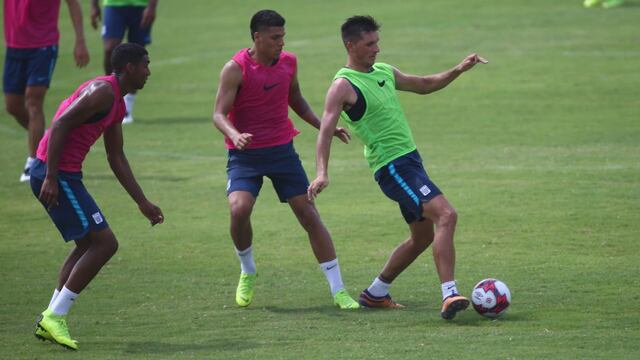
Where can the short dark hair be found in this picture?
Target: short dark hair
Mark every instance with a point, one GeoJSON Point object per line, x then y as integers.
{"type": "Point", "coordinates": [263, 19]}
{"type": "Point", "coordinates": [354, 26]}
{"type": "Point", "coordinates": [127, 53]}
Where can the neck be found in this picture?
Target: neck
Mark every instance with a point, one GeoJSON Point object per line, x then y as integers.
{"type": "Point", "coordinates": [124, 87]}
{"type": "Point", "coordinates": [353, 65]}
{"type": "Point", "coordinates": [260, 58]}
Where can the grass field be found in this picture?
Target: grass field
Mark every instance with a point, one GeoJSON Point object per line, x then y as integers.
{"type": "Point", "coordinates": [539, 151]}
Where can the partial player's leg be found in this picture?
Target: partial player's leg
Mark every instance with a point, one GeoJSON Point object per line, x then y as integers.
{"type": "Point", "coordinates": [71, 260]}
{"type": "Point", "coordinates": [319, 236]}
{"type": "Point", "coordinates": [34, 103]}
{"type": "Point", "coordinates": [377, 295]}
{"type": "Point", "coordinates": [101, 247]}
{"type": "Point", "coordinates": [241, 206]}
{"type": "Point", "coordinates": [290, 182]}
{"type": "Point", "coordinates": [136, 35]}
{"type": "Point", "coordinates": [96, 248]}
{"type": "Point", "coordinates": [445, 218]}
{"type": "Point", "coordinates": [14, 82]}
{"type": "Point", "coordinates": [323, 250]}
{"type": "Point", "coordinates": [14, 104]}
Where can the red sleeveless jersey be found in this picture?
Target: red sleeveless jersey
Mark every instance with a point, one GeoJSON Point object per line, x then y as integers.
{"type": "Point", "coordinates": [261, 106]}
{"type": "Point", "coordinates": [80, 139]}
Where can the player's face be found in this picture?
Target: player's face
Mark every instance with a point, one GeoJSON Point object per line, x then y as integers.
{"type": "Point", "coordinates": [365, 50]}
{"type": "Point", "coordinates": [270, 41]}
{"type": "Point", "coordinates": [141, 72]}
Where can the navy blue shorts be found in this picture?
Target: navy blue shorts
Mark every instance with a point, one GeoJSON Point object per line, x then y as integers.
{"type": "Point", "coordinates": [405, 181]}
{"type": "Point", "coordinates": [281, 164]}
{"type": "Point", "coordinates": [28, 67]}
{"type": "Point", "coordinates": [76, 213]}
{"type": "Point", "coordinates": [118, 19]}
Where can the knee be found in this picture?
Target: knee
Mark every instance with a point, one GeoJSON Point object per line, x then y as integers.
{"type": "Point", "coordinates": [420, 243]}
{"type": "Point", "coordinates": [309, 218]}
{"type": "Point", "coordinates": [240, 211]}
{"type": "Point", "coordinates": [34, 105]}
{"type": "Point", "coordinates": [448, 217]}
{"type": "Point", "coordinates": [111, 246]}
{"type": "Point", "coordinates": [14, 108]}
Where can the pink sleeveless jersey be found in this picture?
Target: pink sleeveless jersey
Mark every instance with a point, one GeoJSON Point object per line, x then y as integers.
{"type": "Point", "coordinates": [80, 139]}
{"type": "Point", "coordinates": [31, 23]}
{"type": "Point", "coordinates": [261, 106]}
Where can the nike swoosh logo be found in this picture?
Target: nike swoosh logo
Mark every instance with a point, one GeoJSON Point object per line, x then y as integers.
{"type": "Point", "coordinates": [381, 83]}
{"type": "Point", "coordinates": [269, 87]}
{"type": "Point", "coordinates": [331, 267]}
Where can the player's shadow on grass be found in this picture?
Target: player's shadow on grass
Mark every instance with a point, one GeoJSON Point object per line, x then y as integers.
{"type": "Point", "coordinates": [159, 347]}
{"type": "Point", "coordinates": [324, 310]}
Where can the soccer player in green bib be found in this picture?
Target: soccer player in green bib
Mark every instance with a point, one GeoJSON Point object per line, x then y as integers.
{"type": "Point", "coordinates": [363, 94]}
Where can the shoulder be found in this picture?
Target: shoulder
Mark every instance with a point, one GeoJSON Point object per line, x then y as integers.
{"type": "Point", "coordinates": [99, 93]}
{"type": "Point", "coordinates": [240, 55]}
{"type": "Point", "coordinates": [340, 88]}
{"type": "Point", "coordinates": [98, 89]}
{"type": "Point", "coordinates": [384, 67]}
{"type": "Point", "coordinates": [231, 66]}
{"type": "Point", "coordinates": [288, 58]}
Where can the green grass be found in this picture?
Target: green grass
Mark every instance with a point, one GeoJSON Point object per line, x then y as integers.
{"type": "Point", "coordinates": [539, 151]}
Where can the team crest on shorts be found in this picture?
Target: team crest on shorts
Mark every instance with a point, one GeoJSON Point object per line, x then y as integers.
{"type": "Point", "coordinates": [97, 217]}
{"type": "Point", "coordinates": [425, 190]}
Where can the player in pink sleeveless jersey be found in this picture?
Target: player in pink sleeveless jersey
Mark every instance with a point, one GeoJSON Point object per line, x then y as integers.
{"type": "Point", "coordinates": [31, 36]}
{"type": "Point", "coordinates": [256, 89]}
{"type": "Point", "coordinates": [96, 107]}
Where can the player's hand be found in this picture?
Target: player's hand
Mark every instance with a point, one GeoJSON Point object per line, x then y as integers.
{"type": "Point", "coordinates": [241, 141]}
{"type": "Point", "coordinates": [342, 134]}
{"type": "Point", "coordinates": [316, 187]}
{"type": "Point", "coordinates": [95, 16]}
{"type": "Point", "coordinates": [49, 192]}
{"type": "Point", "coordinates": [148, 17]}
{"type": "Point", "coordinates": [470, 61]}
{"type": "Point", "coordinates": [81, 54]}
{"type": "Point", "coordinates": [151, 212]}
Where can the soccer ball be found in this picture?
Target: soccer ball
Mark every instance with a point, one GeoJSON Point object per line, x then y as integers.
{"type": "Point", "coordinates": [491, 298]}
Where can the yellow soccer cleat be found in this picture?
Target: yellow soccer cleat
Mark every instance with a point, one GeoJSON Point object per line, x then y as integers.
{"type": "Point", "coordinates": [244, 292]}
{"type": "Point", "coordinates": [344, 301]}
{"type": "Point", "coordinates": [56, 327]}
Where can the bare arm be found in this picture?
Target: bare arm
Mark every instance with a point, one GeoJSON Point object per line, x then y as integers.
{"type": "Point", "coordinates": [114, 146]}
{"type": "Point", "coordinates": [430, 83]}
{"type": "Point", "coordinates": [299, 104]}
{"type": "Point", "coordinates": [230, 81]}
{"type": "Point", "coordinates": [340, 94]}
{"type": "Point", "coordinates": [149, 14]}
{"type": "Point", "coordinates": [97, 97]}
{"type": "Point", "coordinates": [80, 52]}
{"type": "Point", "coordinates": [95, 14]}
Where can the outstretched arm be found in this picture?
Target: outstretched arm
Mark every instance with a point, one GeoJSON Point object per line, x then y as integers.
{"type": "Point", "coordinates": [80, 52]}
{"type": "Point", "coordinates": [230, 81]}
{"type": "Point", "coordinates": [299, 104]}
{"type": "Point", "coordinates": [338, 96]}
{"type": "Point", "coordinates": [430, 83]}
{"type": "Point", "coordinates": [113, 144]}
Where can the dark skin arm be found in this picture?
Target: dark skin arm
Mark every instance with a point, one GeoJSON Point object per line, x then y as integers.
{"type": "Point", "coordinates": [230, 80]}
{"type": "Point", "coordinates": [97, 97]}
{"type": "Point", "coordinates": [114, 146]}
